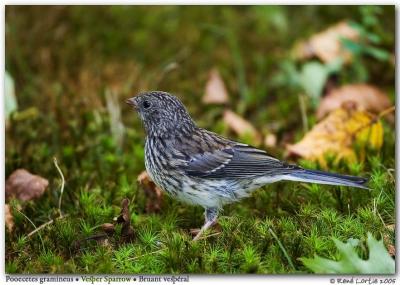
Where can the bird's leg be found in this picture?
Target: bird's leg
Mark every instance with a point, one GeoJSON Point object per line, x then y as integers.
{"type": "Point", "coordinates": [211, 215]}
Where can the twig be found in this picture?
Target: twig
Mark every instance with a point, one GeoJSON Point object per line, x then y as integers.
{"type": "Point", "coordinates": [210, 235]}
{"type": "Point", "coordinates": [282, 248]}
{"type": "Point", "coordinates": [39, 228]}
{"type": "Point", "coordinates": [153, 252]}
{"type": "Point", "coordinates": [44, 225]}
{"type": "Point", "coordinates": [386, 111]}
{"type": "Point", "coordinates": [62, 185]}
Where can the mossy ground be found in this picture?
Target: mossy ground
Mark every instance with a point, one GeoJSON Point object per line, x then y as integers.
{"type": "Point", "coordinates": [63, 65]}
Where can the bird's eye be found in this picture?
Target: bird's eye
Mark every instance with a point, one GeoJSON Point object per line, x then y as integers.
{"type": "Point", "coordinates": [146, 104]}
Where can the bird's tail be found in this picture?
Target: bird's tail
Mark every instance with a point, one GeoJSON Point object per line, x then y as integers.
{"type": "Point", "coordinates": [322, 177]}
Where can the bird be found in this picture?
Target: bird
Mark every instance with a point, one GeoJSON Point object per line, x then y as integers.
{"type": "Point", "coordinates": [200, 167]}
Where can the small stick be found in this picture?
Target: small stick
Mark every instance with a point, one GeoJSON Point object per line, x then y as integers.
{"type": "Point", "coordinates": [62, 185]}
{"type": "Point", "coordinates": [39, 228]}
{"type": "Point", "coordinates": [375, 119]}
{"type": "Point", "coordinates": [210, 235]}
{"type": "Point", "coordinates": [386, 111]}
{"type": "Point", "coordinates": [153, 252]}
{"type": "Point", "coordinates": [44, 225]}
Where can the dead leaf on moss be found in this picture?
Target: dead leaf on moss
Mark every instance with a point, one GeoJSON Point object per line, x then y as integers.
{"type": "Point", "coordinates": [388, 241]}
{"type": "Point", "coordinates": [327, 45]}
{"type": "Point", "coordinates": [9, 218]}
{"type": "Point", "coordinates": [270, 140]}
{"type": "Point", "coordinates": [365, 97]}
{"type": "Point", "coordinates": [124, 218]}
{"type": "Point", "coordinates": [392, 250]}
{"type": "Point", "coordinates": [154, 195]}
{"type": "Point", "coordinates": [241, 127]}
{"type": "Point", "coordinates": [215, 92]}
{"type": "Point", "coordinates": [391, 227]}
{"type": "Point", "coordinates": [108, 228]}
{"type": "Point", "coordinates": [337, 133]}
{"type": "Point", "coordinates": [124, 214]}
{"type": "Point", "coordinates": [25, 186]}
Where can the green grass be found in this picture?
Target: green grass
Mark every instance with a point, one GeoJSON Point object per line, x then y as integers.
{"type": "Point", "coordinates": [64, 65]}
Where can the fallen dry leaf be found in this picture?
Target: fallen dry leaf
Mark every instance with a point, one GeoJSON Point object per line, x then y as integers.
{"type": "Point", "coordinates": [337, 133]}
{"type": "Point", "coordinates": [392, 250]}
{"type": "Point", "coordinates": [241, 127]}
{"type": "Point", "coordinates": [127, 232]}
{"type": "Point", "coordinates": [215, 92]}
{"type": "Point", "coordinates": [388, 241]}
{"type": "Point", "coordinates": [108, 228]}
{"type": "Point", "coordinates": [327, 45]}
{"type": "Point", "coordinates": [270, 140]}
{"type": "Point", "coordinates": [25, 186]}
{"type": "Point", "coordinates": [124, 214]}
{"type": "Point", "coordinates": [9, 219]}
{"type": "Point", "coordinates": [391, 227]}
{"type": "Point", "coordinates": [153, 194]}
{"type": "Point", "coordinates": [365, 97]}
{"type": "Point", "coordinates": [124, 218]}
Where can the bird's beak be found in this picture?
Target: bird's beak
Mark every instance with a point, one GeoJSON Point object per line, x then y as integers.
{"type": "Point", "coordinates": [132, 102]}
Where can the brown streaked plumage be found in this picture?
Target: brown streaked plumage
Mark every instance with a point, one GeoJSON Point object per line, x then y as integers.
{"type": "Point", "coordinates": [202, 168]}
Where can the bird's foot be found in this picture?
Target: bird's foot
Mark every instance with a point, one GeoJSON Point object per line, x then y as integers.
{"type": "Point", "coordinates": [216, 228]}
{"type": "Point", "coordinates": [211, 215]}
{"type": "Point", "coordinates": [204, 228]}
{"type": "Point", "coordinates": [194, 232]}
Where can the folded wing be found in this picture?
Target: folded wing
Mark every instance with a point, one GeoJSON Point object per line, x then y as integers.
{"type": "Point", "coordinates": [236, 161]}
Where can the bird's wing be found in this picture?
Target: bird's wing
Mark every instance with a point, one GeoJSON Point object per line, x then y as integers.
{"type": "Point", "coordinates": [234, 160]}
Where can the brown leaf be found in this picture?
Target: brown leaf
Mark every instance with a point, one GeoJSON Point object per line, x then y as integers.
{"type": "Point", "coordinates": [127, 232]}
{"type": "Point", "coordinates": [270, 140]}
{"type": "Point", "coordinates": [337, 133]}
{"type": "Point", "coordinates": [153, 194]}
{"type": "Point", "coordinates": [327, 44]}
{"type": "Point", "coordinates": [124, 214]}
{"type": "Point", "coordinates": [25, 186]}
{"type": "Point", "coordinates": [392, 250]}
{"type": "Point", "coordinates": [391, 227]}
{"type": "Point", "coordinates": [108, 228]}
{"type": "Point", "coordinates": [215, 92]}
{"type": "Point", "coordinates": [388, 241]}
{"type": "Point", "coordinates": [241, 127]}
{"type": "Point", "coordinates": [9, 219]}
{"type": "Point", "coordinates": [365, 98]}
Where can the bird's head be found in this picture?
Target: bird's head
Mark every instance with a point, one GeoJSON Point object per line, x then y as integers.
{"type": "Point", "coordinates": [162, 114]}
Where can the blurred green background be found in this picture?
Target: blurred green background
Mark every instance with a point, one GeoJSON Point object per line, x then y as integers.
{"type": "Point", "coordinates": [74, 66]}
